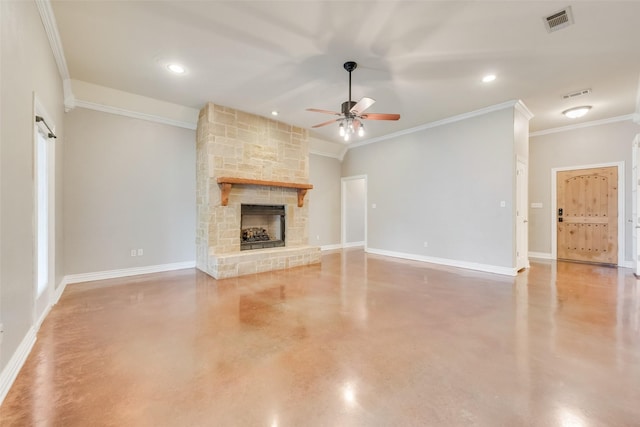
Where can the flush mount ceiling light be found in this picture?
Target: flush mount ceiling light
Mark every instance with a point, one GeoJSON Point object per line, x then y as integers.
{"type": "Point", "coordinates": [176, 68]}
{"type": "Point", "coordinates": [274, 113]}
{"type": "Point", "coordinates": [489, 78]}
{"type": "Point", "coordinates": [576, 112]}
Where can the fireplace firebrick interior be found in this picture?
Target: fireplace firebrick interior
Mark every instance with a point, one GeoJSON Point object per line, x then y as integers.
{"type": "Point", "coordinates": [262, 226]}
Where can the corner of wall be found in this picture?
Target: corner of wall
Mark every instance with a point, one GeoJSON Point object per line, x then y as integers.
{"type": "Point", "coordinates": [11, 370]}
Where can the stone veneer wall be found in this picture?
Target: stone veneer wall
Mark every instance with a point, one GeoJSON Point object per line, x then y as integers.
{"type": "Point", "coordinates": [232, 143]}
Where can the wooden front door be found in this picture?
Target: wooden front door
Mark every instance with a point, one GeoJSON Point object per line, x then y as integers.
{"type": "Point", "coordinates": [587, 216]}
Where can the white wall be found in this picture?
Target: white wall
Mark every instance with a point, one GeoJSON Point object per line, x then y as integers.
{"type": "Point", "coordinates": [128, 184]}
{"type": "Point", "coordinates": [324, 200]}
{"type": "Point", "coordinates": [443, 185]}
{"type": "Point", "coordinates": [28, 66]}
{"type": "Point", "coordinates": [585, 146]}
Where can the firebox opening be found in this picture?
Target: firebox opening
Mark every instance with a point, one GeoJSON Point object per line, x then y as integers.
{"type": "Point", "coordinates": [262, 226]}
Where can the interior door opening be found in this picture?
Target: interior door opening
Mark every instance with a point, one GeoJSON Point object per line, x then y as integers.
{"type": "Point", "coordinates": [44, 214]}
{"type": "Point", "coordinates": [354, 211]}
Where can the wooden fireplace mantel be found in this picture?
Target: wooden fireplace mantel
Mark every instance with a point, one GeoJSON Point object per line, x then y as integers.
{"type": "Point", "coordinates": [226, 183]}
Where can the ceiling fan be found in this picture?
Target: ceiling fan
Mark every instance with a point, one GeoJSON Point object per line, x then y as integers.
{"type": "Point", "coordinates": [352, 114]}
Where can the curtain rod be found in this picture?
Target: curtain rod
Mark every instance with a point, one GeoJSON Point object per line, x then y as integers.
{"type": "Point", "coordinates": [41, 119]}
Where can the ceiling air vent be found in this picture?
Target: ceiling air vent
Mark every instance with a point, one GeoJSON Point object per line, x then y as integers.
{"type": "Point", "coordinates": [558, 20]}
{"type": "Point", "coordinates": [576, 94]}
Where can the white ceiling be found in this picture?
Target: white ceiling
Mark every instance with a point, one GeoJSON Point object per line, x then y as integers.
{"type": "Point", "coordinates": [422, 59]}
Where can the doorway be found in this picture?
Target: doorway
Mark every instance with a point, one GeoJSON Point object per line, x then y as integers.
{"type": "Point", "coordinates": [44, 218]}
{"type": "Point", "coordinates": [354, 211]}
{"type": "Point", "coordinates": [587, 215]}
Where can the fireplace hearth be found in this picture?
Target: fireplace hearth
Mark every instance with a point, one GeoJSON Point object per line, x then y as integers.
{"type": "Point", "coordinates": [262, 226]}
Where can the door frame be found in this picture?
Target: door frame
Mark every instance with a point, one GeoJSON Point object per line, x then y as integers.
{"type": "Point", "coordinates": [621, 204]}
{"type": "Point", "coordinates": [635, 184]}
{"type": "Point", "coordinates": [343, 208]}
{"type": "Point", "coordinates": [49, 294]}
{"type": "Point", "coordinates": [522, 201]}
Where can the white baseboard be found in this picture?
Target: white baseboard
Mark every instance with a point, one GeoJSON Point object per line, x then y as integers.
{"type": "Point", "coordinates": [540, 255]}
{"type": "Point", "coordinates": [627, 264]}
{"type": "Point", "coordinates": [506, 271]}
{"type": "Point", "coordinates": [125, 272]}
{"type": "Point", "coordinates": [352, 245]}
{"type": "Point", "coordinates": [10, 372]}
{"type": "Point", "coordinates": [59, 290]}
{"type": "Point", "coordinates": [43, 316]}
{"type": "Point", "coordinates": [331, 247]}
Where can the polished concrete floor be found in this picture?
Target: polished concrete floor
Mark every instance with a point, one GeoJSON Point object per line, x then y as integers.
{"type": "Point", "coordinates": [361, 340]}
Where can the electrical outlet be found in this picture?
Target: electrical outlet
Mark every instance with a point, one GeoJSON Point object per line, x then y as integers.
{"type": "Point", "coordinates": [318, 237]}
{"type": "Point", "coordinates": [1, 332]}
{"type": "Point", "coordinates": [140, 252]}
{"type": "Point", "coordinates": [426, 244]}
{"type": "Point", "coordinates": [133, 252]}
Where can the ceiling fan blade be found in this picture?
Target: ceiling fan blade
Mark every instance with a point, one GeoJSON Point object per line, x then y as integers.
{"type": "Point", "coordinates": [325, 123]}
{"type": "Point", "coordinates": [362, 105]}
{"type": "Point", "coordinates": [380, 116]}
{"type": "Point", "coordinates": [315, 110]}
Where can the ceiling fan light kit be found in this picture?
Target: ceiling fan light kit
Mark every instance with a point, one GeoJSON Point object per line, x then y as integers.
{"type": "Point", "coordinates": [352, 113]}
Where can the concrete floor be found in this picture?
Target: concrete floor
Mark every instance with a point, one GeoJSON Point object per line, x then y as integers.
{"type": "Point", "coordinates": [361, 340]}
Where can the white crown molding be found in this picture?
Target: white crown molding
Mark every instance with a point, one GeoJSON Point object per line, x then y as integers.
{"type": "Point", "coordinates": [325, 154]}
{"type": "Point", "coordinates": [69, 98]}
{"type": "Point", "coordinates": [437, 123]}
{"type": "Point", "coordinates": [126, 272]}
{"type": "Point", "coordinates": [505, 271]}
{"type": "Point", "coordinates": [522, 108]}
{"type": "Point", "coordinates": [134, 114]}
{"type": "Point", "coordinates": [343, 153]}
{"type": "Point", "coordinates": [11, 370]}
{"type": "Point", "coordinates": [51, 28]}
{"type": "Point", "coordinates": [583, 125]}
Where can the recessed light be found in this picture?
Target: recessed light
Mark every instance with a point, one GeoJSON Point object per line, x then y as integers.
{"type": "Point", "coordinates": [489, 78]}
{"type": "Point", "coordinates": [574, 113]}
{"type": "Point", "coordinates": [176, 68]}
{"type": "Point", "coordinates": [274, 113]}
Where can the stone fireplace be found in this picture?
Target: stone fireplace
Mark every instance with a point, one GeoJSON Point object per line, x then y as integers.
{"type": "Point", "coordinates": [244, 159]}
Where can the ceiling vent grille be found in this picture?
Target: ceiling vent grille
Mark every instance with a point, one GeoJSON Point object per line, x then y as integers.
{"type": "Point", "coordinates": [558, 20]}
{"type": "Point", "coordinates": [576, 94]}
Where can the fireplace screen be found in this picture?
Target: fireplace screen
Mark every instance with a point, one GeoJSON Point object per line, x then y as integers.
{"type": "Point", "coordinates": [261, 226]}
